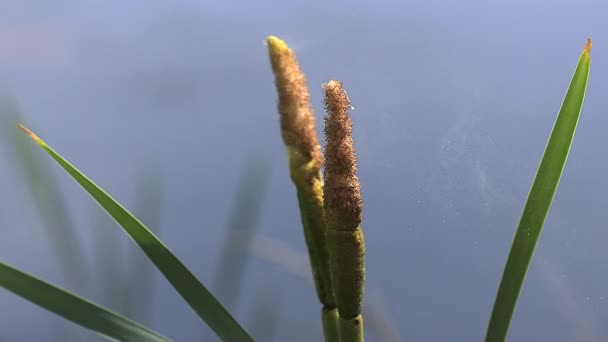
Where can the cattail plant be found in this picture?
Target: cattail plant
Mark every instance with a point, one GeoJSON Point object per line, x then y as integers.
{"type": "Point", "coordinates": [331, 214]}
{"type": "Point", "coordinates": [305, 162]}
{"type": "Point", "coordinates": [343, 207]}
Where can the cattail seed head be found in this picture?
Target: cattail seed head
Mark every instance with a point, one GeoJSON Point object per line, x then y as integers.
{"type": "Point", "coordinates": [296, 113]}
{"type": "Point", "coordinates": [305, 160]}
{"type": "Point", "coordinates": [343, 203]}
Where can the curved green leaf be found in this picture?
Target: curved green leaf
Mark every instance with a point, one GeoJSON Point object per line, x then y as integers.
{"type": "Point", "coordinates": [187, 285]}
{"type": "Point", "coordinates": [539, 200]}
{"type": "Point", "coordinates": [45, 196]}
{"type": "Point", "coordinates": [74, 308]}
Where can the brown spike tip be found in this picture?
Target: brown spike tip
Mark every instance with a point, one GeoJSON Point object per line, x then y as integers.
{"type": "Point", "coordinates": [30, 134]}
{"type": "Point", "coordinates": [588, 45]}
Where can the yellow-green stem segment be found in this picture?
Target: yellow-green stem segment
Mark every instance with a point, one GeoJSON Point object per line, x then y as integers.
{"type": "Point", "coordinates": [351, 330]}
{"type": "Point", "coordinates": [310, 201]}
{"type": "Point", "coordinates": [330, 319]}
{"type": "Point", "coordinates": [348, 270]}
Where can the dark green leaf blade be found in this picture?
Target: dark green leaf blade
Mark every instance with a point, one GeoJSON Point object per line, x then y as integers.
{"type": "Point", "coordinates": [187, 285]}
{"type": "Point", "coordinates": [74, 308]}
{"type": "Point", "coordinates": [539, 200]}
{"type": "Point", "coordinates": [45, 197]}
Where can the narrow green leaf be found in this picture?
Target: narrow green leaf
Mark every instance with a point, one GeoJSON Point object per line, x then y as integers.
{"type": "Point", "coordinates": [44, 193]}
{"type": "Point", "coordinates": [74, 308]}
{"type": "Point", "coordinates": [187, 285]}
{"type": "Point", "coordinates": [539, 200]}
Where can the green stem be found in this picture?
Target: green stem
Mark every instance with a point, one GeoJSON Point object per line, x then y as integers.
{"type": "Point", "coordinates": [351, 330]}
{"type": "Point", "coordinates": [330, 324]}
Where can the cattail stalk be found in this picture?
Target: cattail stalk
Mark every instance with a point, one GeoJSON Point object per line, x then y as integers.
{"type": "Point", "coordinates": [305, 162]}
{"type": "Point", "coordinates": [343, 210]}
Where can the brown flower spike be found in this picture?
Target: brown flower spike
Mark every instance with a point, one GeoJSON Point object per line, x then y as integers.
{"type": "Point", "coordinates": [343, 206]}
{"type": "Point", "coordinates": [305, 160]}
{"type": "Point", "coordinates": [343, 203]}
{"type": "Point", "coordinates": [297, 116]}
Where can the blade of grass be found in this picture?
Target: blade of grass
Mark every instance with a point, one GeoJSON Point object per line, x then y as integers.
{"type": "Point", "coordinates": [51, 205]}
{"type": "Point", "coordinates": [539, 200]}
{"type": "Point", "coordinates": [128, 291]}
{"type": "Point", "coordinates": [187, 285]}
{"type": "Point", "coordinates": [74, 308]}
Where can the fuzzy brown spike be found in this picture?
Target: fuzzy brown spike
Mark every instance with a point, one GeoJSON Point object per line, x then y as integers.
{"type": "Point", "coordinates": [588, 45]}
{"type": "Point", "coordinates": [297, 115]}
{"type": "Point", "coordinates": [343, 207]}
{"type": "Point", "coordinates": [343, 203]}
{"type": "Point", "coordinates": [305, 161]}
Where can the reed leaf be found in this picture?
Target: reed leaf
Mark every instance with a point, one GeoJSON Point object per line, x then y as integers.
{"type": "Point", "coordinates": [187, 285]}
{"type": "Point", "coordinates": [539, 200]}
{"type": "Point", "coordinates": [74, 308]}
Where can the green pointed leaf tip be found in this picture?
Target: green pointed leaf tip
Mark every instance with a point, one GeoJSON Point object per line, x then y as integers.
{"type": "Point", "coordinates": [74, 308]}
{"type": "Point", "coordinates": [187, 285]}
{"type": "Point", "coordinates": [539, 200]}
